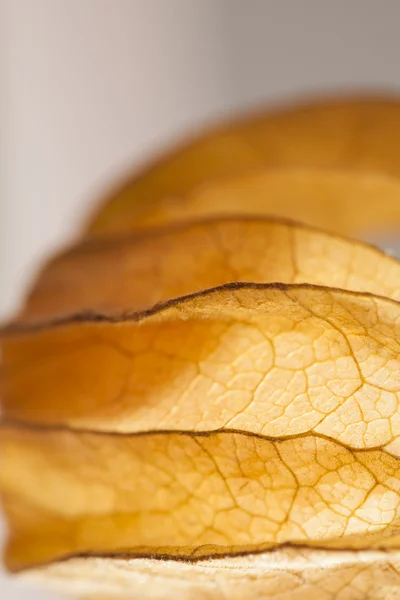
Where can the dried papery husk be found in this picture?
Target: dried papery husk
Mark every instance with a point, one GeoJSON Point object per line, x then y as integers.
{"type": "Point", "coordinates": [344, 133]}
{"type": "Point", "coordinates": [220, 493]}
{"type": "Point", "coordinates": [204, 403]}
{"type": "Point", "coordinates": [343, 203]}
{"type": "Point", "coordinates": [133, 273]}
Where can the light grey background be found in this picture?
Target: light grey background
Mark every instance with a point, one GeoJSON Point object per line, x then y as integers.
{"type": "Point", "coordinates": [91, 87]}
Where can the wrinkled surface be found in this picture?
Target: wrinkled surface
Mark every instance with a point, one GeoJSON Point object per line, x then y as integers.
{"type": "Point", "coordinates": [357, 134]}
{"type": "Point", "coordinates": [134, 273]}
{"type": "Point", "coordinates": [220, 493]}
{"type": "Point", "coordinates": [262, 359]}
{"type": "Point", "coordinates": [187, 412]}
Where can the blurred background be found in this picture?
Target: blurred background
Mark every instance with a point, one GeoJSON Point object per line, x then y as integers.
{"type": "Point", "coordinates": [91, 88]}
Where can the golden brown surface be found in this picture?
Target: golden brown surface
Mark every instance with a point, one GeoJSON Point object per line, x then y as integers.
{"type": "Point", "coordinates": [200, 495]}
{"type": "Point", "coordinates": [356, 134]}
{"type": "Point", "coordinates": [344, 203]}
{"type": "Point", "coordinates": [204, 403]}
{"type": "Point", "coordinates": [259, 358]}
{"type": "Point", "coordinates": [134, 273]}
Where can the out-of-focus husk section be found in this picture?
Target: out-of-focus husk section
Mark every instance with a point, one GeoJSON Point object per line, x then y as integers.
{"type": "Point", "coordinates": [344, 203]}
{"type": "Point", "coordinates": [350, 133]}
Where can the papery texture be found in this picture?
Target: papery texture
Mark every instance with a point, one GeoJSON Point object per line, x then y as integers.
{"type": "Point", "coordinates": [135, 272]}
{"type": "Point", "coordinates": [269, 359]}
{"type": "Point", "coordinates": [186, 495]}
